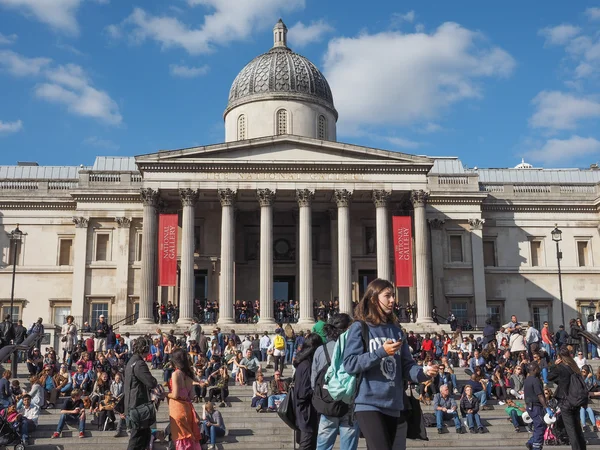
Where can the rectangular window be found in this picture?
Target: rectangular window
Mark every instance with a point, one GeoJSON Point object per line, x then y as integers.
{"type": "Point", "coordinates": [495, 312]}
{"type": "Point", "coordinates": [136, 310]}
{"type": "Point", "coordinates": [460, 311]}
{"type": "Point", "coordinates": [60, 313]}
{"type": "Point", "coordinates": [536, 253]}
{"type": "Point", "coordinates": [582, 254]}
{"type": "Point", "coordinates": [585, 309]}
{"type": "Point", "coordinates": [16, 312]}
{"type": "Point", "coordinates": [138, 246]}
{"type": "Point", "coordinates": [65, 252]}
{"type": "Point", "coordinates": [98, 309]}
{"type": "Point", "coordinates": [540, 315]}
{"type": "Point", "coordinates": [102, 247]}
{"type": "Point", "coordinates": [14, 247]}
{"type": "Point", "coordinates": [489, 253]}
{"type": "Point", "coordinates": [456, 248]}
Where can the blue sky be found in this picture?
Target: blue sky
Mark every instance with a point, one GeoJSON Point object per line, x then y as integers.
{"type": "Point", "coordinates": [488, 83]}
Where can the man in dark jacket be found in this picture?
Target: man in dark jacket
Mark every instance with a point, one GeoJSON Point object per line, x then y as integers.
{"type": "Point", "coordinates": [7, 332]}
{"type": "Point", "coordinates": [101, 330]}
{"type": "Point", "coordinates": [20, 335]}
{"type": "Point", "coordinates": [489, 333]}
{"type": "Point", "coordinates": [138, 382]}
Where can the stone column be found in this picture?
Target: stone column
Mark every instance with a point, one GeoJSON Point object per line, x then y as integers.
{"type": "Point", "coordinates": [79, 264]}
{"type": "Point", "coordinates": [226, 281]}
{"type": "Point", "coordinates": [380, 198]}
{"type": "Point", "coordinates": [437, 261]}
{"type": "Point", "coordinates": [304, 198]}
{"type": "Point", "coordinates": [266, 197]}
{"type": "Point", "coordinates": [333, 235]}
{"type": "Point", "coordinates": [189, 198]}
{"type": "Point", "coordinates": [150, 200]}
{"type": "Point", "coordinates": [343, 198]}
{"type": "Point", "coordinates": [424, 304]}
{"type": "Point", "coordinates": [122, 259]}
{"type": "Point", "coordinates": [476, 226]}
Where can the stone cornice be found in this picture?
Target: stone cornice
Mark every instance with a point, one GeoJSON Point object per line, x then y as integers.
{"type": "Point", "coordinates": [129, 197]}
{"type": "Point", "coordinates": [38, 205]}
{"type": "Point", "coordinates": [539, 208]}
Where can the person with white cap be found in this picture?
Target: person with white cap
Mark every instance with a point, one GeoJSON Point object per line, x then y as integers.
{"type": "Point", "coordinates": [101, 330]}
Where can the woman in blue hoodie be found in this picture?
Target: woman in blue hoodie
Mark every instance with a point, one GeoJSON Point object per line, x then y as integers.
{"type": "Point", "coordinates": [384, 367]}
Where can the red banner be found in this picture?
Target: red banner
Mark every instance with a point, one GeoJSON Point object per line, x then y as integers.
{"type": "Point", "coordinates": [403, 253]}
{"type": "Point", "coordinates": [167, 249]}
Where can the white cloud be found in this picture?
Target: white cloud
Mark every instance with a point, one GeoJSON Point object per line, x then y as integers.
{"type": "Point", "coordinates": [70, 49]}
{"type": "Point", "coordinates": [431, 127]}
{"type": "Point", "coordinates": [560, 34]}
{"type": "Point", "coordinates": [10, 39]}
{"type": "Point", "coordinates": [10, 127]}
{"type": "Point", "coordinates": [563, 150]}
{"type": "Point", "coordinates": [394, 78]}
{"type": "Point", "coordinates": [561, 111]}
{"type": "Point", "coordinates": [230, 21]}
{"type": "Point", "coordinates": [106, 144]}
{"type": "Point", "coordinates": [187, 72]}
{"type": "Point", "coordinates": [58, 14]}
{"type": "Point", "coordinates": [402, 142]}
{"type": "Point", "coordinates": [19, 65]}
{"type": "Point", "coordinates": [593, 13]}
{"type": "Point", "coordinates": [398, 18]}
{"type": "Point", "coordinates": [70, 86]}
{"type": "Point", "coordinates": [301, 35]}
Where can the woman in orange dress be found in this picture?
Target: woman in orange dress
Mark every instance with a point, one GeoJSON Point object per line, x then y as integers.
{"type": "Point", "coordinates": [185, 430]}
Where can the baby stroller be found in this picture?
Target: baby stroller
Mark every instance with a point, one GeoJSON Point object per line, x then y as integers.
{"type": "Point", "coordinates": [9, 434]}
{"type": "Point", "coordinates": [556, 434]}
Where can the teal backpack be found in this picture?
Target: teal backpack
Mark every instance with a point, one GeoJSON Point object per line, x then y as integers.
{"type": "Point", "coordinates": [341, 384]}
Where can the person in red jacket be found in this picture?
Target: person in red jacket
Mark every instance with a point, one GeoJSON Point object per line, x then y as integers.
{"type": "Point", "coordinates": [427, 347]}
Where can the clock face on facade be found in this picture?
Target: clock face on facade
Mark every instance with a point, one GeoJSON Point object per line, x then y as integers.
{"type": "Point", "coordinates": [281, 247]}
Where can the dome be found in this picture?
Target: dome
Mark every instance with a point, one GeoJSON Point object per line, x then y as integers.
{"type": "Point", "coordinates": [280, 73]}
{"type": "Point", "coordinates": [523, 165]}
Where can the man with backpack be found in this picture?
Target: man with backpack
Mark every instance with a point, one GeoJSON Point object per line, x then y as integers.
{"type": "Point", "coordinates": [336, 416]}
{"type": "Point", "coordinates": [278, 350]}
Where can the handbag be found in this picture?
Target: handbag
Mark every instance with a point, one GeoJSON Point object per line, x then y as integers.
{"type": "Point", "coordinates": [414, 419]}
{"type": "Point", "coordinates": [142, 416]}
{"type": "Point", "coordinates": [63, 339]}
{"type": "Point", "coordinates": [286, 411]}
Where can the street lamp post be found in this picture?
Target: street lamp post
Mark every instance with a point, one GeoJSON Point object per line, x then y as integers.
{"type": "Point", "coordinates": [557, 237]}
{"type": "Point", "coordinates": [15, 238]}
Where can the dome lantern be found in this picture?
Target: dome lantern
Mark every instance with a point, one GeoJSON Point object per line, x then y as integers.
{"type": "Point", "coordinates": [280, 34]}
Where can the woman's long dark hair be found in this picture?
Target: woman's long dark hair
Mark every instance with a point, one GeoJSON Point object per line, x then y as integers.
{"type": "Point", "coordinates": [311, 343]}
{"type": "Point", "coordinates": [368, 309]}
{"type": "Point", "coordinates": [568, 360]}
{"type": "Point", "coordinates": [336, 325]}
{"type": "Point", "coordinates": [181, 361]}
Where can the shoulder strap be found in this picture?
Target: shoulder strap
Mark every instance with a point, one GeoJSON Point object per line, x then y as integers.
{"type": "Point", "coordinates": [365, 335]}
{"type": "Point", "coordinates": [326, 355]}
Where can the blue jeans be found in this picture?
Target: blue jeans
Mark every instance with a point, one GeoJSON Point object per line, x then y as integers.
{"type": "Point", "coordinates": [328, 431]}
{"type": "Point", "coordinates": [27, 427]}
{"type": "Point", "coordinates": [549, 350]}
{"type": "Point", "coordinates": [4, 402]}
{"type": "Point", "coordinates": [514, 417]}
{"type": "Point", "coordinates": [539, 427]}
{"type": "Point", "coordinates": [289, 345]}
{"type": "Point", "coordinates": [440, 416]}
{"type": "Point", "coordinates": [590, 414]}
{"type": "Point", "coordinates": [273, 398]}
{"type": "Point", "coordinates": [263, 352]}
{"type": "Point", "coordinates": [213, 432]}
{"type": "Point", "coordinates": [545, 375]}
{"type": "Point", "coordinates": [481, 396]}
{"type": "Point", "coordinates": [474, 419]}
{"type": "Point", "coordinates": [66, 388]}
{"type": "Point", "coordinates": [592, 350]}
{"type": "Point", "coordinates": [71, 419]}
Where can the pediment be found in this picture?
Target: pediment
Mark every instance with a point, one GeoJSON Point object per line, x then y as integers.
{"type": "Point", "coordinates": [284, 149]}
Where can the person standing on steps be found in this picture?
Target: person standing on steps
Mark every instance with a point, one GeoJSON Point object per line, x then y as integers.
{"type": "Point", "coordinates": [535, 402]}
{"type": "Point", "coordinates": [564, 367]}
{"type": "Point", "coordinates": [138, 382]}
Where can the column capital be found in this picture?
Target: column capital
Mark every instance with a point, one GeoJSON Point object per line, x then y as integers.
{"type": "Point", "coordinates": [342, 197]}
{"type": "Point", "coordinates": [419, 198]}
{"type": "Point", "coordinates": [149, 196]}
{"type": "Point", "coordinates": [123, 222]}
{"type": "Point", "coordinates": [227, 196]}
{"type": "Point", "coordinates": [265, 197]}
{"type": "Point", "coordinates": [81, 222]}
{"type": "Point", "coordinates": [476, 224]}
{"type": "Point", "coordinates": [304, 197]}
{"type": "Point", "coordinates": [436, 224]}
{"type": "Point", "coordinates": [381, 197]}
{"type": "Point", "coordinates": [188, 196]}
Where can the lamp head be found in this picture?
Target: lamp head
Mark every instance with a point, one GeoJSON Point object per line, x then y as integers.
{"type": "Point", "coordinates": [556, 234]}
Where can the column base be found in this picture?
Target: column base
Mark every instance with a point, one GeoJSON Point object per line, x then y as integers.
{"type": "Point", "coordinates": [266, 321]}
{"type": "Point", "coordinates": [184, 322]}
{"type": "Point", "coordinates": [424, 320]}
{"type": "Point", "coordinates": [225, 321]}
{"type": "Point", "coordinates": [145, 321]}
{"type": "Point", "coordinates": [305, 323]}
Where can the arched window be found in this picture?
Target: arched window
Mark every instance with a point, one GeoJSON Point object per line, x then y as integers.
{"type": "Point", "coordinates": [241, 130]}
{"type": "Point", "coordinates": [282, 122]}
{"type": "Point", "coordinates": [322, 128]}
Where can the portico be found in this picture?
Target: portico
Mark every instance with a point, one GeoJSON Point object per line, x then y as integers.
{"type": "Point", "coordinates": [263, 214]}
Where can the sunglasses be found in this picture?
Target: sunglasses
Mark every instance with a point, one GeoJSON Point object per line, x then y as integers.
{"type": "Point", "coordinates": [580, 354]}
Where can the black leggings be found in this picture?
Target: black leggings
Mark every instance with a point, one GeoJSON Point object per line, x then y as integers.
{"type": "Point", "coordinates": [216, 392]}
{"type": "Point", "coordinates": [500, 392]}
{"type": "Point", "coordinates": [378, 429]}
{"type": "Point", "coordinates": [573, 428]}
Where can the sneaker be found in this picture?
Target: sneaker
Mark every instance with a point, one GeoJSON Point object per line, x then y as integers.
{"type": "Point", "coordinates": [481, 430]}
{"type": "Point", "coordinates": [487, 407]}
{"type": "Point", "coordinates": [440, 431]}
{"type": "Point", "coordinates": [222, 405]}
{"type": "Point", "coordinates": [81, 435]}
{"type": "Point", "coordinates": [258, 408]}
{"type": "Point", "coordinates": [459, 431]}
{"type": "Point", "coordinates": [455, 391]}
{"type": "Point", "coordinates": [117, 434]}
{"type": "Point", "coordinates": [501, 403]}
{"type": "Point", "coordinates": [472, 431]}
{"type": "Point", "coordinates": [55, 435]}
{"type": "Point", "coordinates": [517, 429]}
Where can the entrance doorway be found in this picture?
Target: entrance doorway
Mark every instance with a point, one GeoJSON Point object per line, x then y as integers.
{"type": "Point", "coordinates": [200, 284]}
{"type": "Point", "coordinates": [364, 278]}
{"type": "Point", "coordinates": [284, 288]}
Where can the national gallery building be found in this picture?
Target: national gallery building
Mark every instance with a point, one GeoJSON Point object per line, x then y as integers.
{"type": "Point", "coordinates": [281, 210]}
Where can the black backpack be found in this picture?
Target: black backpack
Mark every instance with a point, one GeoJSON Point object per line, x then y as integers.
{"type": "Point", "coordinates": [322, 400]}
{"type": "Point", "coordinates": [577, 395]}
